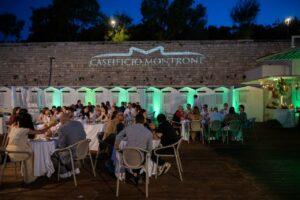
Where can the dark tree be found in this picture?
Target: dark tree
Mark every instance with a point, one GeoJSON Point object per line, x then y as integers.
{"type": "Point", "coordinates": [10, 27]}
{"type": "Point", "coordinates": [185, 21]}
{"type": "Point", "coordinates": [123, 20]}
{"type": "Point", "coordinates": [67, 20]}
{"type": "Point", "coordinates": [154, 21]}
{"type": "Point", "coordinates": [244, 14]}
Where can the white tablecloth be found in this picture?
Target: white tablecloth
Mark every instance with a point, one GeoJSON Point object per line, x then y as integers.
{"type": "Point", "coordinates": [42, 151]}
{"type": "Point", "coordinates": [185, 130]}
{"type": "Point", "coordinates": [91, 133]}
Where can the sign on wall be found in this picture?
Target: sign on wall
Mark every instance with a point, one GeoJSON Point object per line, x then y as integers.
{"type": "Point", "coordinates": [139, 57]}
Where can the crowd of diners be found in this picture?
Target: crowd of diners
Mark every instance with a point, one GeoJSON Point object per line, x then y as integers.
{"type": "Point", "coordinates": [129, 123]}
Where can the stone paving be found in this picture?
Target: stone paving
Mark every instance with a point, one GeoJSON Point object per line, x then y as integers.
{"type": "Point", "coordinates": [207, 175]}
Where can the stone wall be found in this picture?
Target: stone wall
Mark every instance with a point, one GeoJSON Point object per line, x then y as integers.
{"type": "Point", "coordinates": [225, 63]}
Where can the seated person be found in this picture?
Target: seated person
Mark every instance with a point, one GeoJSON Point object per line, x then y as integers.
{"type": "Point", "coordinates": [148, 121]}
{"type": "Point", "coordinates": [167, 135]}
{"type": "Point", "coordinates": [242, 115]}
{"type": "Point", "coordinates": [136, 136]}
{"type": "Point", "coordinates": [232, 115]}
{"type": "Point", "coordinates": [120, 125]}
{"type": "Point", "coordinates": [178, 115]}
{"type": "Point", "coordinates": [103, 114]}
{"type": "Point", "coordinates": [18, 141]}
{"type": "Point", "coordinates": [69, 133]}
{"type": "Point", "coordinates": [188, 110]}
{"type": "Point", "coordinates": [111, 127]}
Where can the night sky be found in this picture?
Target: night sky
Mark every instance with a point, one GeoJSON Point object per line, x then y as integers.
{"type": "Point", "coordinates": [218, 11]}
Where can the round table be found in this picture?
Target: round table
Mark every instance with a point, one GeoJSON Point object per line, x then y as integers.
{"type": "Point", "coordinates": [42, 151]}
{"type": "Point", "coordinates": [92, 131]}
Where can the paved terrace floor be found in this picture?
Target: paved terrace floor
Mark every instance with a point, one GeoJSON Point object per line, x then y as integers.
{"type": "Point", "coordinates": [266, 168]}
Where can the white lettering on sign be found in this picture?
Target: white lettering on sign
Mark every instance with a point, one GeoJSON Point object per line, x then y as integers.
{"type": "Point", "coordinates": [165, 59]}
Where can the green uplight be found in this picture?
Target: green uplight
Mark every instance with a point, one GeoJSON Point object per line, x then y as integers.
{"type": "Point", "coordinates": [190, 95]}
{"type": "Point", "coordinates": [56, 96]}
{"type": "Point", "coordinates": [123, 95]}
{"type": "Point", "coordinates": [235, 99]}
{"type": "Point", "coordinates": [89, 96]}
{"type": "Point", "coordinates": [157, 100]}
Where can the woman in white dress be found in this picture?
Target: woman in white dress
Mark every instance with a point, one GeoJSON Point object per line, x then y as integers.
{"type": "Point", "coordinates": [18, 141]}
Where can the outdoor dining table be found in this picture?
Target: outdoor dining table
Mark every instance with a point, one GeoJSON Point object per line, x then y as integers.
{"type": "Point", "coordinates": [42, 151]}
{"type": "Point", "coordinates": [92, 131]}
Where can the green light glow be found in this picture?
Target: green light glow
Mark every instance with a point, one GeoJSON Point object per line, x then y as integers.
{"type": "Point", "coordinates": [235, 99]}
{"type": "Point", "coordinates": [190, 95]}
{"type": "Point", "coordinates": [157, 100]}
{"type": "Point", "coordinates": [123, 95]}
{"type": "Point", "coordinates": [56, 96]}
{"type": "Point", "coordinates": [296, 97]}
{"type": "Point", "coordinates": [89, 96]}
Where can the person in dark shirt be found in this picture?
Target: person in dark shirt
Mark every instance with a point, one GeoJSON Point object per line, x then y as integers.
{"type": "Point", "coordinates": [231, 116]}
{"type": "Point", "coordinates": [242, 115]}
{"type": "Point", "coordinates": [165, 131]}
{"type": "Point", "coordinates": [168, 136]}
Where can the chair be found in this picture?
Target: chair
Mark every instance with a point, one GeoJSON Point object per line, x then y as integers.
{"type": "Point", "coordinates": [235, 128]}
{"type": "Point", "coordinates": [215, 127]}
{"type": "Point", "coordinates": [175, 147]}
{"type": "Point", "coordinates": [82, 151]}
{"type": "Point", "coordinates": [196, 127]}
{"type": "Point", "coordinates": [133, 158]}
{"type": "Point", "coordinates": [6, 152]}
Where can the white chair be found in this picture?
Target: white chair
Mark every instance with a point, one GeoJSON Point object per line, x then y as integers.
{"type": "Point", "coordinates": [133, 158]}
{"type": "Point", "coordinates": [175, 147]}
{"type": "Point", "coordinates": [6, 152]}
{"type": "Point", "coordinates": [82, 151]}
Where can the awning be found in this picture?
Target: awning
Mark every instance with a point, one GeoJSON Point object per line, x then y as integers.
{"type": "Point", "coordinates": [290, 55]}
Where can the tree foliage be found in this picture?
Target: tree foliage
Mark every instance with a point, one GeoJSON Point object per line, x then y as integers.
{"type": "Point", "coordinates": [245, 12]}
{"type": "Point", "coordinates": [82, 20]}
{"type": "Point", "coordinates": [67, 20]}
{"type": "Point", "coordinates": [10, 26]}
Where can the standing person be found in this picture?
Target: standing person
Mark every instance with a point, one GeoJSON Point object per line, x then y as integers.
{"type": "Point", "coordinates": [69, 133]}
{"type": "Point", "coordinates": [78, 105]}
{"type": "Point", "coordinates": [232, 115]}
{"type": "Point", "coordinates": [242, 115]}
{"type": "Point", "coordinates": [188, 110]}
{"type": "Point", "coordinates": [225, 109]}
{"type": "Point", "coordinates": [195, 116]}
{"type": "Point", "coordinates": [205, 115]}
